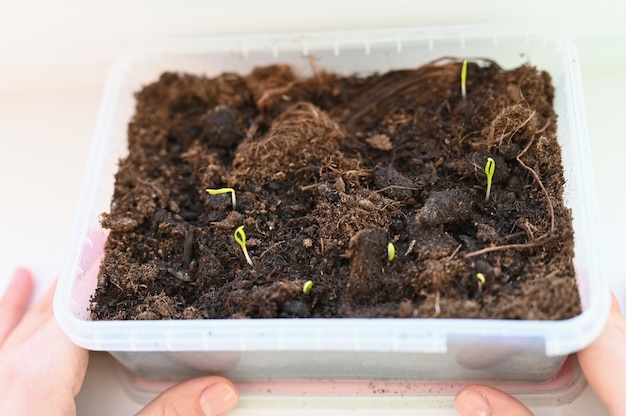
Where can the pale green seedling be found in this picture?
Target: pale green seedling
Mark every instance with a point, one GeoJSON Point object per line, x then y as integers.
{"type": "Point", "coordinates": [240, 238]}
{"type": "Point", "coordinates": [306, 288]}
{"type": "Point", "coordinates": [391, 251]}
{"type": "Point", "coordinates": [481, 278]}
{"type": "Point", "coordinates": [490, 168]}
{"type": "Point", "coordinates": [464, 78]}
{"type": "Point", "coordinates": [224, 191]}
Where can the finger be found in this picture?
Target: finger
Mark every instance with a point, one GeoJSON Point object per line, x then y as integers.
{"type": "Point", "coordinates": [46, 371]}
{"type": "Point", "coordinates": [203, 396]}
{"type": "Point", "coordinates": [481, 400]}
{"type": "Point", "coordinates": [67, 361]}
{"type": "Point", "coordinates": [15, 302]}
{"type": "Point", "coordinates": [604, 361]}
{"type": "Point", "coordinates": [34, 318]}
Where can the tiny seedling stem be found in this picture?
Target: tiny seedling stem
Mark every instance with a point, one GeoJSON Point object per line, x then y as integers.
{"type": "Point", "coordinates": [240, 238]}
{"type": "Point", "coordinates": [490, 168]}
{"type": "Point", "coordinates": [481, 280]}
{"type": "Point", "coordinates": [464, 78]}
{"type": "Point", "coordinates": [224, 191]}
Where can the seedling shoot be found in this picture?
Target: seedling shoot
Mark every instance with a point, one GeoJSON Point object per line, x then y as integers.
{"type": "Point", "coordinates": [490, 168]}
{"type": "Point", "coordinates": [224, 191]}
{"type": "Point", "coordinates": [306, 288]}
{"type": "Point", "coordinates": [391, 251]}
{"type": "Point", "coordinates": [464, 78]}
{"type": "Point", "coordinates": [240, 238]}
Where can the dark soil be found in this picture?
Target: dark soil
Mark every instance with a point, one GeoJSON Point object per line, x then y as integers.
{"type": "Point", "coordinates": [327, 171]}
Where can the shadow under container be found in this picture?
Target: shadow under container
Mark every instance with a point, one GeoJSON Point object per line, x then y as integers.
{"type": "Point", "coordinates": [363, 349]}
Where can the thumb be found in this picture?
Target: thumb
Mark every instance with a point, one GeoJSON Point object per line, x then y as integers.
{"type": "Point", "coordinates": [604, 362]}
{"type": "Point", "coordinates": [481, 400]}
{"type": "Point", "coordinates": [203, 396]}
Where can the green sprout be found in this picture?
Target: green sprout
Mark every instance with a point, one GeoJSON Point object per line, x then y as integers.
{"type": "Point", "coordinates": [224, 191]}
{"type": "Point", "coordinates": [306, 289]}
{"type": "Point", "coordinates": [481, 278]}
{"type": "Point", "coordinates": [391, 251]}
{"type": "Point", "coordinates": [464, 78]}
{"type": "Point", "coordinates": [240, 238]}
{"type": "Point", "coordinates": [490, 168]}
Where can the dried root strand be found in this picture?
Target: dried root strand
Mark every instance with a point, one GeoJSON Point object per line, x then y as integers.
{"type": "Point", "coordinates": [538, 179]}
{"type": "Point", "coordinates": [538, 242]}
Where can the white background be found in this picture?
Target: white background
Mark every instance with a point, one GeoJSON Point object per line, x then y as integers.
{"type": "Point", "coordinates": [54, 57]}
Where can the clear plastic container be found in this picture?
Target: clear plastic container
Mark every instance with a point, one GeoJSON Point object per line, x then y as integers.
{"type": "Point", "coordinates": [415, 349]}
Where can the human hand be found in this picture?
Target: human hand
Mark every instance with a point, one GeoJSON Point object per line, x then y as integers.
{"type": "Point", "coordinates": [41, 370]}
{"type": "Point", "coordinates": [603, 363]}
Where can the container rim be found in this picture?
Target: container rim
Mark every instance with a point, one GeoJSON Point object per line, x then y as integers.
{"type": "Point", "coordinates": [405, 335]}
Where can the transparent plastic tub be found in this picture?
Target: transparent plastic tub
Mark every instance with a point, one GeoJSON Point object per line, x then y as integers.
{"type": "Point", "coordinates": [287, 349]}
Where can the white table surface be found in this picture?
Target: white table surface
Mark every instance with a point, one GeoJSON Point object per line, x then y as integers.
{"type": "Point", "coordinates": [53, 63]}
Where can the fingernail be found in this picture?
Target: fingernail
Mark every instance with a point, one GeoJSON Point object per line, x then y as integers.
{"type": "Point", "coordinates": [218, 399]}
{"type": "Point", "coordinates": [472, 403]}
{"type": "Point", "coordinates": [19, 274]}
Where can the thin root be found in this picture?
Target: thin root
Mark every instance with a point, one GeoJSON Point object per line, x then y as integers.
{"type": "Point", "coordinates": [396, 187]}
{"type": "Point", "coordinates": [454, 253]}
{"type": "Point", "coordinates": [271, 248]}
{"type": "Point", "coordinates": [538, 179]}
{"type": "Point", "coordinates": [539, 241]}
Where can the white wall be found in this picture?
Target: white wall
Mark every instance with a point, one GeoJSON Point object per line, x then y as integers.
{"type": "Point", "coordinates": [54, 56]}
{"type": "Point", "coordinates": [39, 40]}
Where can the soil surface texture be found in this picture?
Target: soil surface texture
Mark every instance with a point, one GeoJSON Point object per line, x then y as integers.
{"type": "Point", "coordinates": [327, 171]}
